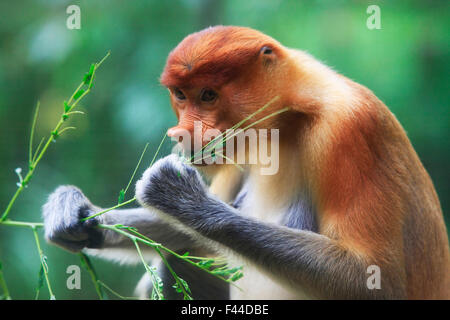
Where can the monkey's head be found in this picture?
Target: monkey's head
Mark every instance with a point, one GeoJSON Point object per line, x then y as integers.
{"type": "Point", "coordinates": [222, 74]}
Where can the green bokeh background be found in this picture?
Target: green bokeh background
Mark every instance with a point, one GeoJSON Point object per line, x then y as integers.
{"type": "Point", "coordinates": [406, 64]}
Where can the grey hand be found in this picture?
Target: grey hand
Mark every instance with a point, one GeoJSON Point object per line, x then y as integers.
{"type": "Point", "coordinates": [62, 213]}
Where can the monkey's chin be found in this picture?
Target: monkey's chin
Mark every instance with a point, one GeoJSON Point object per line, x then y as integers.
{"type": "Point", "coordinates": [200, 164]}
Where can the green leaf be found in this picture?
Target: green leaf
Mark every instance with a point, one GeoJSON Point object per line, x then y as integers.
{"type": "Point", "coordinates": [83, 264]}
{"type": "Point", "coordinates": [87, 77]}
{"type": "Point", "coordinates": [41, 278]}
{"type": "Point", "coordinates": [78, 94]}
{"type": "Point", "coordinates": [40, 284]}
{"type": "Point", "coordinates": [121, 196]}
{"type": "Point", "coordinates": [237, 276]}
{"type": "Point", "coordinates": [220, 272]}
{"type": "Point", "coordinates": [185, 285]}
{"type": "Point", "coordinates": [157, 291]}
{"type": "Point", "coordinates": [206, 263]}
{"type": "Point", "coordinates": [177, 287]}
{"type": "Point", "coordinates": [66, 107]}
{"type": "Point", "coordinates": [55, 134]}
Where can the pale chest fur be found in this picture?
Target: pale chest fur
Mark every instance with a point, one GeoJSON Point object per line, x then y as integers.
{"type": "Point", "coordinates": [257, 284]}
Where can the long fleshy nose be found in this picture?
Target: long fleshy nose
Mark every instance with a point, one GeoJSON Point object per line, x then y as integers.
{"type": "Point", "coordinates": [175, 131]}
{"type": "Point", "coordinates": [183, 135]}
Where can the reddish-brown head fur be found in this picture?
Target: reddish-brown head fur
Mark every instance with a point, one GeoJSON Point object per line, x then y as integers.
{"type": "Point", "coordinates": [213, 56]}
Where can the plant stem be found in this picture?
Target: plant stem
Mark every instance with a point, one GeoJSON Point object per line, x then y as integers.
{"type": "Point", "coordinates": [33, 127]}
{"type": "Point", "coordinates": [174, 275]}
{"type": "Point", "coordinates": [4, 286]}
{"type": "Point", "coordinates": [43, 263]}
{"type": "Point", "coordinates": [130, 236]}
{"type": "Point", "coordinates": [115, 293]}
{"type": "Point", "coordinates": [135, 169]}
{"type": "Point", "coordinates": [22, 224]}
{"type": "Point", "coordinates": [109, 209]}
{"type": "Point", "coordinates": [11, 202]}
{"type": "Point", "coordinates": [92, 273]}
{"type": "Point", "coordinates": [157, 150]}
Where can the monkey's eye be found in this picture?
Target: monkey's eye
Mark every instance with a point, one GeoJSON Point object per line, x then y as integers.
{"type": "Point", "coordinates": [266, 50]}
{"type": "Point", "coordinates": [208, 95]}
{"type": "Point", "coordinates": [178, 93]}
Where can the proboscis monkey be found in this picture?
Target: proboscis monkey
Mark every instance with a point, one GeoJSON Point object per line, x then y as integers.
{"type": "Point", "coordinates": [350, 191]}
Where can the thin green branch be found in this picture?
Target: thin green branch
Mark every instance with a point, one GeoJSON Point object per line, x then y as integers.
{"type": "Point", "coordinates": [22, 224]}
{"type": "Point", "coordinates": [157, 150]}
{"type": "Point", "coordinates": [75, 92]}
{"type": "Point", "coordinates": [33, 127]}
{"type": "Point", "coordinates": [3, 285]}
{"type": "Point", "coordinates": [135, 169]}
{"type": "Point", "coordinates": [36, 152]}
{"type": "Point", "coordinates": [115, 293]}
{"type": "Point", "coordinates": [119, 229]}
{"type": "Point", "coordinates": [43, 259]}
{"type": "Point", "coordinates": [89, 267]}
{"type": "Point", "coordinates": [65, 129]}
{"type": "Point", "coordinates": [109, 209]}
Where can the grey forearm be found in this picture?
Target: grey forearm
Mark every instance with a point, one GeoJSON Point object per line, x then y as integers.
{"type": "Point", "coordinates": [300, 258]}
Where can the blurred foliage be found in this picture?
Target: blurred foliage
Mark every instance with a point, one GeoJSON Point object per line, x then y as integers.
{"type": "Point", "coordinates": [406, 64]}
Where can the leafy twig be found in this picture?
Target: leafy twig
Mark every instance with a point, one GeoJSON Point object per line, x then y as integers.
{"type": "Point", "coordinates": [76, 97]}
{"type": "Point", "coordinates": [202, 263]}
